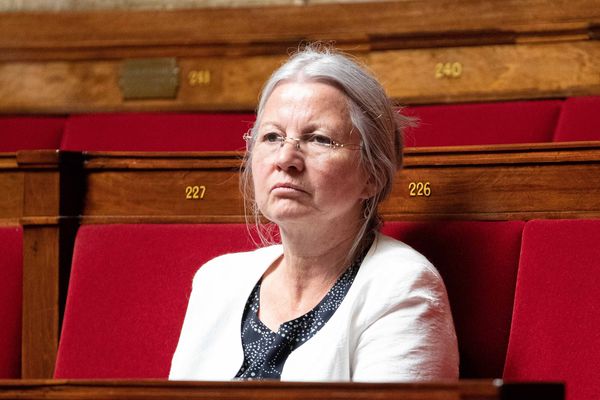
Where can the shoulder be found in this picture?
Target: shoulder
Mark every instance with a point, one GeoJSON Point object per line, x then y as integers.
{"type": "Point", "coordinates": [393, 270]}
{"type": "Point", "coordinates": [397, 259]}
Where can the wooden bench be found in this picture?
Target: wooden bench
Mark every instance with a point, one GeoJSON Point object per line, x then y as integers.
{"type": "Point", "coordinates": [433, 52]}
{"type": "Point", "coordinates": [511, 182]}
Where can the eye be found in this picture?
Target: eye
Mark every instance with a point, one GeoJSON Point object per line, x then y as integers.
{"type": "Point", "coordinates": [272, 137]}
{"type": "Point", "coordinates": [321, 140]}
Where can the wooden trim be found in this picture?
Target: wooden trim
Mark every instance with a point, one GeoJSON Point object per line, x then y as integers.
{"type": "Point", "coordinates": [269, 30]}
{"type": "Point", "coordinates": [41, 306]}
{"type": "Point", "coordinates": [130, 389]}
{"type": "Point", "coordinates": [69, 62]}
{"type": "Point", "coordinates": [494, 72]}
{"type": "Point", "coordinates": [474, 182]}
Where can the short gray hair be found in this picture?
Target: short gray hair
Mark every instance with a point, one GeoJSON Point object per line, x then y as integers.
{"type": "Point", "coordinates": [373, 116]}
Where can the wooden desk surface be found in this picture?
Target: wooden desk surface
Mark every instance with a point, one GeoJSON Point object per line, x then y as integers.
{"type": "Point", "coordinates": [161, 389]}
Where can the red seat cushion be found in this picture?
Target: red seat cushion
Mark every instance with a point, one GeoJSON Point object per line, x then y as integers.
{"type": "Point", "coordinates": [579, 120]}
{"type": "Point", "coordinates": [486, 123]}
{"type": "Point", "coordinates": [555, 332]}
{"type": "Point", "coordinates": [128, 293]}
{"type": "Point", "coordinates": [478, 261]}
{"type": "Point", "coordinates": [156, 132]}
{"type": "Point", "coordinates": [11, 282]}
{"type": "Point", "coordinates": [30, 133]}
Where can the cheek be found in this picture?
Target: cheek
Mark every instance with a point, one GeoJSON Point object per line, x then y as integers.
{"type": "Point", "coordinates": [259, 178]}
{"type": "Point", "coordinates": [343, 182]}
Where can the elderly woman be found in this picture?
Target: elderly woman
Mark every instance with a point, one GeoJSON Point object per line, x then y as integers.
{"type": "Point", "coordinates": [336, 300]}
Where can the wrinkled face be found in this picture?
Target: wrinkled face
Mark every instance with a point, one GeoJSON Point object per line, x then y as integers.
{"type": "Point", "coordinates": [304, 180]}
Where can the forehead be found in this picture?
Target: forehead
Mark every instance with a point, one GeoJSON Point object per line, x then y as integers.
{"type": "Point", "coordinates": [305, 102]}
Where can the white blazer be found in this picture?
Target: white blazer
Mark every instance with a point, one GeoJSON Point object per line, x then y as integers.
{"type": "Point", "coordinates": [393, 325]}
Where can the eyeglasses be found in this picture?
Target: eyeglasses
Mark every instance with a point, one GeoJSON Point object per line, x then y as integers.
{"type": "Point", "coordinates": [312, 144]}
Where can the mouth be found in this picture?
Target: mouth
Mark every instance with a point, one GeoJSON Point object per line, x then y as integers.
{"type": "Point", "coordinates": [287, 188]}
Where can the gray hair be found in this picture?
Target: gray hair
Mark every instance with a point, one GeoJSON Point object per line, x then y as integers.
{"type": "Point", "coordinates": [372, 114]}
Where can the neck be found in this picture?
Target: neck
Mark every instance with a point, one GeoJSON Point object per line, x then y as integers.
{"type": "Point", "coordinates": [313, 259]}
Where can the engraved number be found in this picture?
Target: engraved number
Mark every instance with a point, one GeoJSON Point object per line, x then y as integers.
{"type": "Point", "coordinates": [199, 77]}
{"type": "Point", "coordinates": [419, 189]}
{"type": "Point", "coordinates": [448, 70]}
{"type": "Point", "coordinates": [194, 192]}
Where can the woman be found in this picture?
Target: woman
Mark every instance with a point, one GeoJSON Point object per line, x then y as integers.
{"type": "Point", "coordinates": [336, 300]}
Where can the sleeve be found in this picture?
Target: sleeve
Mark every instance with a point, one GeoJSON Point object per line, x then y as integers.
{"type": "Point", "coordinates": [411, 337]}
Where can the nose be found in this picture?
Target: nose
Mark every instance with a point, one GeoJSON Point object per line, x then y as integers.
{"type": "Point", "coordinates": [294, 141]}
{"type": "Point", "coordinates": [290, 157]}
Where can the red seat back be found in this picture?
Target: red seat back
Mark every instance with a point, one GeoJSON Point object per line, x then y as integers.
{"type": "Point", "coordinates": [156, 132]}
{"type": "Point", "coordinates": [128, 293]}
{"type": "Point", "coordinates": [30, 133]}
{"type": "Point", "coordinates": [11, 282]}
{"type": "Point", "coordinates": [478, 261]}
{"type": "Point", "coordinates": [579, 120]}
{"type": "Point", "coordinates": [484, 123]}
{"type": "Point", "coordinates": [555, 332]}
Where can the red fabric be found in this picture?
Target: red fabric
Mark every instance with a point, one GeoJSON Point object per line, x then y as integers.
{"type": "Point", "coordinates": [11, 281]}
{"type": "Point", "coordinates": [485, 123]}
{"type": "Point", "coordinates": [555, 332]}
{"type": "Point", "coordinates": [478, 261]}
{"type": "Point", "coordinates": [579, 120]}
{"type": "Point", "coordinates": [128, 294]}
{"type": "Point", "coordinates": [156, 132]}
{"type": "Point", "coordinates": [30, 133]}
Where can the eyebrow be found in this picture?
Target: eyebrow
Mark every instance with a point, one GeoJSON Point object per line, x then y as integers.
{"type": "Point", "coordinates": [309, 128]}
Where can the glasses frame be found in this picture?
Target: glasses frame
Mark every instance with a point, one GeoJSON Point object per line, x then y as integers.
{"type": "Point", "coordinates": [297, 141]}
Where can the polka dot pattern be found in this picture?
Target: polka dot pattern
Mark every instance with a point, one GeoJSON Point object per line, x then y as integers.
{"type": "Point", "coordinates": [265, 351]}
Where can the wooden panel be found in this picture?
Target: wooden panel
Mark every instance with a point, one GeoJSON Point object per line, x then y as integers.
{"type": "Point", "coordinates": [39, 190]}
{"type": "Point", "coordinates": [263, 30]}
{"type": "Point", "coordinates": [11, 189]}
{"type": "Point", "coordinates": [233, 83]}
{"type": "Point", "coordinates": [490, 72]}
{"type": "Point", "coordinates": [178, 193]}
{"type": "Point", "coordinates": [476, 182]}
{"type": "Point", "coordinates": [40, 301]}
{"type": "Point", "coordinates": [514, 49]}
{"type": "Point", "coordinates": [496, 192]}
{"type": "Point", "coordinates": [481, 390]}
{"type": "Point", "coordinates": [42, 193]}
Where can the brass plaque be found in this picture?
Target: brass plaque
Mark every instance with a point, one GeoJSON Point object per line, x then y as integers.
{"type": "Point", "coordinates": [149, 78]}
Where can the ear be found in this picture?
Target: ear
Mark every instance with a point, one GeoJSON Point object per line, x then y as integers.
{"type": "Point", "coordinates": [369, 190]}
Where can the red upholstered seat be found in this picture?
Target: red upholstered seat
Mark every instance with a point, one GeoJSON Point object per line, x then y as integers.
{"type": "Point", "coordinates": [156, 132]}
{"type": "Point", "coordinates": [555, 332]}
{"type": "Point", "coordinates": [128, 294]}
{"type": "Point", "coordinates": [579, 120]}
{"type": "Point", "coordinates": [485, 123]}
{"type": "Point", "coordinates": [11, 282]}
{"type": "Point", "coordinates": [30, 133]}
{"type": "Point", "coordinates": [478, 261]}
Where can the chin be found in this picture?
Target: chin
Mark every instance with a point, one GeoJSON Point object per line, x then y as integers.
{"type": "Point", "coordinates": [287, 215]}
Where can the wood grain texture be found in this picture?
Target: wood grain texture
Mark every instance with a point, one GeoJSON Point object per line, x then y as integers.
{"type": "Point", "coordinates": [29, 187]}
{"type": "Point", "coordinates": [514, 49]}
{"type": "Point", "coordinates": [40, 301]}
{"type": "Point", "coordinates": [223, 30]}
{"type": "Point", "coordinates": [492, 72]}
{"type": "Point", "coordinates": [108, 389]}
{"type": "Point", "coordinates": [11, 194]}
{"type": "Point", "coordinates": [522, 182]}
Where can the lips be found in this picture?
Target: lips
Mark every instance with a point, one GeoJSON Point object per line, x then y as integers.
{"type": "Point", "coordinates": [287, 187]}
